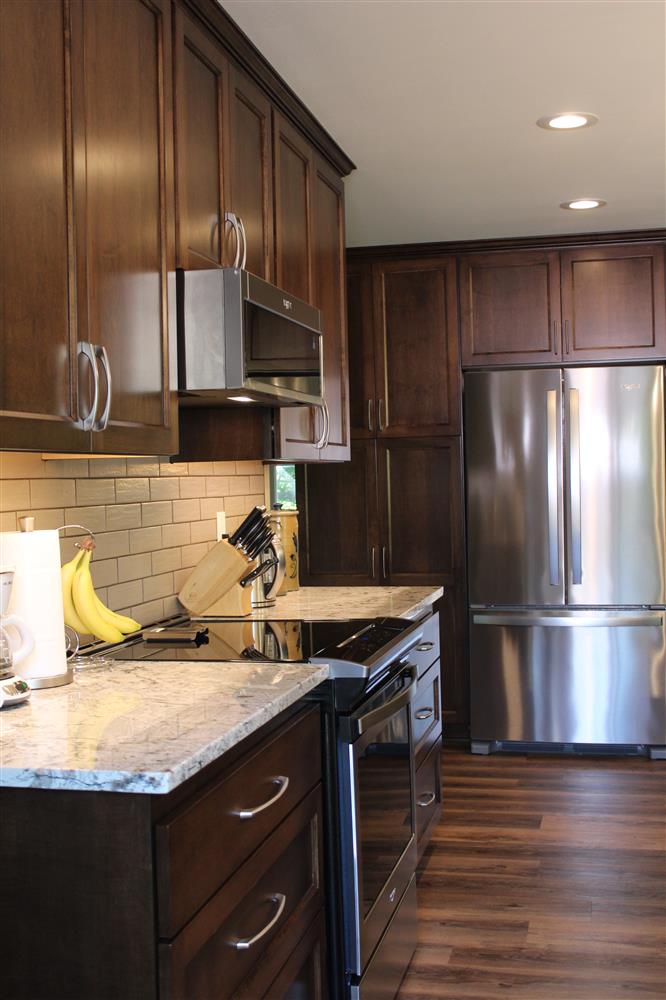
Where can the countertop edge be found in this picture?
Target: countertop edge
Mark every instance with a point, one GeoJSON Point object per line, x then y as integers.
{"type": "Point", "coordinates": [161, 782]}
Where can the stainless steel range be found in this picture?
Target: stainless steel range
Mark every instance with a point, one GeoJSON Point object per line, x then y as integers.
{"type": "Point", "coordinates": [369, 768]}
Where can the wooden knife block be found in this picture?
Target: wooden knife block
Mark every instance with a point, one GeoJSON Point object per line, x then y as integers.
{"type": "Point", "coordinates": [213, 583]}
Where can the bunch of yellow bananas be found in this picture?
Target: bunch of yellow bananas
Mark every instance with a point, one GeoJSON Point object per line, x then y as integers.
{"type": "Point", "coordinates": [84, 612]}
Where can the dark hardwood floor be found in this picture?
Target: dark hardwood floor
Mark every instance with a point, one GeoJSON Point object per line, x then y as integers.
{"type": "Point", "coordinates": [545, 880]}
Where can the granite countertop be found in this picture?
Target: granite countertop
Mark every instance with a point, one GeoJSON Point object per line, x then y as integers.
{"type": "Point", "coordinates": [336, 603]}
{"type": "Point", "coordinates": [146, 728]}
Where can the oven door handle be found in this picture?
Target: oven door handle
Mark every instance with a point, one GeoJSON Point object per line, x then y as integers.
{"type": "Point", "coordinates": [357, 725]}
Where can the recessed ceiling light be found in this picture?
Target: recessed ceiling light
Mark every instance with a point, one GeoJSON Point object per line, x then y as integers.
{"type": "Point", "coordinates": [567, 120]}
{"type": "Point", "coordinates": [581, 204]}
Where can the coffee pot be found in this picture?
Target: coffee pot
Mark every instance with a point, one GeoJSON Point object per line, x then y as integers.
{"type": "Point", "coordinates": [16, 643]}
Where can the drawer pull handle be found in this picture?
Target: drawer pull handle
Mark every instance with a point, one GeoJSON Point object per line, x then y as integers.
{"type": "Point", "coordinates": [423, 647]}
{"type": "Point", "coordinates": [426, 800]}
{"type": "Point", "coordinates": [424, 713]}
{"type": "Point", "coordinates": [281, 900]}
{"type": "Point", "coordinates": [283, 782]}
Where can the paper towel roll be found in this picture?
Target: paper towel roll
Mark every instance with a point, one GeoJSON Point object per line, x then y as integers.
{"type": "Point", "coordinates": [37, 597]}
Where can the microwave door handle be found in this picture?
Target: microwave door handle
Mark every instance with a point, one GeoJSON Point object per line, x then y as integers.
{"type": "Point", "coordinates": [377, 715]}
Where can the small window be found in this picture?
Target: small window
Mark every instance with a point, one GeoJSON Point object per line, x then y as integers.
{"type": "Point", "coordinates": [283, 485]}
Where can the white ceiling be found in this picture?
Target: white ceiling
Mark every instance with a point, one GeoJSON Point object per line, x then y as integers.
{"type": "Point", "coordinates": [436, 100]}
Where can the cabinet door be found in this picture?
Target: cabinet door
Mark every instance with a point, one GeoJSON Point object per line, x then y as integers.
{"type": "Point", "coordinates": [416, 348]}
{"type": "Point", "coordinates": [298, 430]}
{"type": "Point", "coordinates": [362, 407]}
{"type": "Point", "coordinates": [455, 669]}
{"type": "Point", "coordinates": [339, 528]}
{"type": "Point", "coordinates": [251, 169]}
{"type": "Point", "coordinates": [200, 94]}
{"type": "Point", "coordinates": [510, 309]}
{"type": "Point", "coordinates": [297, 426]}
{"type": "Point", "coordinates": [122, 92]}
{"type": "Point", "coordinates": [328, 215]}
{"type": "Point", "coordinates": [303, 975]}
{"type": "Point", "coordinates": [38, 373]}
{"type": "Point", "coordinates": [613, 304]}
{"type": "Point", "coordinates": [420, 511]}
{"type": "Point", "coordinates": [294, 168]}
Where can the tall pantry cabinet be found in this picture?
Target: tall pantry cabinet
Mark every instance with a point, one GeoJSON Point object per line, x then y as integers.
{"type": "Point", "coordinates": [393, 515]}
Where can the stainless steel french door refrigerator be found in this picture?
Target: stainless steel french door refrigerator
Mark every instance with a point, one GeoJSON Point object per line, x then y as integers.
{"type": "Point", "coordinates": [566, 528]}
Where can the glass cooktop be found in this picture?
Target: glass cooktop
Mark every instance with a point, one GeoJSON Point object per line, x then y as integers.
{"type": "Point", "coordinates": [353, 640]}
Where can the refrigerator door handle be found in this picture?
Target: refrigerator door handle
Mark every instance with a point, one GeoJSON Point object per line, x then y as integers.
{"type": "Point", "coordinates": [574, 487]}
{"type": "Point", "coordinates": [655, 620]}
{"type": "Point", "coordinates": [553, 530]}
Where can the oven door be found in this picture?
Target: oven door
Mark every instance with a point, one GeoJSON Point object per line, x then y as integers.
{"type": "Point", "coordinates": [378, 832]}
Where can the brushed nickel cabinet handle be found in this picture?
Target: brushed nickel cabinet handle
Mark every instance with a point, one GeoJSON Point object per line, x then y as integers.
{"type": "Point", "coordinates": [372, 560]}
{"type": "Point", "coordinates": [281, 900]}
{"type": "Point", "coordinates": [555, 346]}
{"type": "Point", "coordinates": [426, 800]}
{"type": "Point", "coordinates": [370, 423]}
{"type": "Point", "coordinates": [384, 572]}
{"type": "Point", "coordinates": [283, 782]}
{"type": "Point", "coordinates": [380, 414]}
{"type": "Point", "coordinates": [424, 713]}
{"type": "Point", "coordinates": [566, 337]}
{"type": "Point", "coordinates": [87, 350]}
{"type": "Point", "coordinates": [232, 219]}
{"type": "Point", "coordinates": [103, 422]}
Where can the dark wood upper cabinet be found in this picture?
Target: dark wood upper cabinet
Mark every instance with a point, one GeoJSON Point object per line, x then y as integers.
{"type": "Point", "coordinates": [338, 522]}
{"type": "Point", "coordinates": [416, 348]}
{"type": "Point", "coordinates": [613, 304]}
{"type": "Point", "coordinates": [361, 347]}
{"type": "Point", "coordinates": [124, 216]}
{"type": "Point", "coordinates": [510, 308]}
{"type": "Point", "coordinates": [299, 431]}
{"type": "Point", "coordinates": [38, 372]}
{"type": "Point", "coordinates": [201, 130]}
{"type": "Point", "coordinates": [420, 511]}
{"type": "Point", "coordinates": [251, 169]}
{"type": "Point", "coordinates": [294, 168]}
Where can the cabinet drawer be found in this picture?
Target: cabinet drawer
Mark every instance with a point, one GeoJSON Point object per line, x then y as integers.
{"type": "Point", "coordinates": [204, 841]}
{"type": "Point", "coordinates": [303, 976]}
{"type": "Point", "coordinates": [266, 906]}
{"type": "Point", "coordinates": [428, 797]}
{"type": "Point", "coordinates": [426, 713]}
{"type": "Point", "coordinates": [427, 651]}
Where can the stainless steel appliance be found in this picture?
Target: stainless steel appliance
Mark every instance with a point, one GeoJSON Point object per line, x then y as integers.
{"type": "Point", "coordinates": [566, 526]}
{"type": "Point", "coordinates": [369, 789]}
{"type": "Point", "coordinates": [241, 339]}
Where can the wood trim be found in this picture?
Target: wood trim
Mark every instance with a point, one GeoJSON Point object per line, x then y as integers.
{"type": "Point", "coordinates": [419, 250]}
{"type": "Point", "coordinates": [239, 46]}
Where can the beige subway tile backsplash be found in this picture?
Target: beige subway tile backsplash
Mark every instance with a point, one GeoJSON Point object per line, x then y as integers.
{"type": "Point", "coordinates": [157, 512]}
{"type": "Point", "coordinates": [142, 557]}
{"type": "Point", "coordinates": [95, 491]}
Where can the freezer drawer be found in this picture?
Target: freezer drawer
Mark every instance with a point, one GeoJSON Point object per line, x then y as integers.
{"type": "Point", "coordinates": [568, 676]}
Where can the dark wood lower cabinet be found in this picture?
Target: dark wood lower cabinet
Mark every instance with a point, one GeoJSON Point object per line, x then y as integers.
{"type": "Point", "coordinates": [85, 874]}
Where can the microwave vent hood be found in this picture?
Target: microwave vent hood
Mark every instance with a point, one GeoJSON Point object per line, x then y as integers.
{"type": "Point", "coordinates": [240, 336]}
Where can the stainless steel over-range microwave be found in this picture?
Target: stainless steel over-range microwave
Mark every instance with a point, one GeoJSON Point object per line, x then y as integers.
{"type": "Point", "coordinates": [242, 339]}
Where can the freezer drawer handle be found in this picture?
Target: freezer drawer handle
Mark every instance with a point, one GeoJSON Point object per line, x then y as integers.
{"type": "Point", "coordinates": [599, 621]}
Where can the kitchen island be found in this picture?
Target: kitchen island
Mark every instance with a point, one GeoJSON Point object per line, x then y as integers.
{"type": "Point", "coordinates": [151, 809]}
